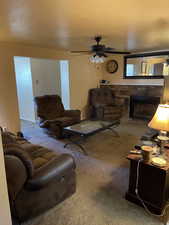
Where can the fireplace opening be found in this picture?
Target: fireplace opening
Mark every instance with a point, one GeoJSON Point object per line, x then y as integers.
{"type": "Point", "coordinates": [143, 107]}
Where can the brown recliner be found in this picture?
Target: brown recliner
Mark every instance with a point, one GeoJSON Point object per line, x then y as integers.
{"type": "Point", "coordinates": [103, 105]}
{"type": "Point", "coordinates": [37, 177]}
{"type": "Point", "coordinates": [53, 116]}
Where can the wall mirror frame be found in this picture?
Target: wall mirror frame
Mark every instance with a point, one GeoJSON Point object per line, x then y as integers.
{"type": "Point", "coordinates": [164, 55]}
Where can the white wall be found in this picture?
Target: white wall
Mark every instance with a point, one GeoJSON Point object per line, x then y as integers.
{"type": "Point", "coordinates": [24, 88]}
{"type": "Point", "coordinates": [5, 217]}
{"type": "Point", "coordinates": [65, 86]}
{"type": "Point", "coordinates": [45, 77]}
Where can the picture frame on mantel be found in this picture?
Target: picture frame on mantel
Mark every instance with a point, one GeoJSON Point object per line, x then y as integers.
{"type": "Point", "coordinates": [154, 65]}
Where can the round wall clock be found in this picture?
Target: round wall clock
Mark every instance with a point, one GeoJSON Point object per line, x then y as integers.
{"type": "Point", "coordinates": [112, 66]}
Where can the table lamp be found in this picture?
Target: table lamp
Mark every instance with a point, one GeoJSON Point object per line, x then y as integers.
{"type": "Point", "coordinates": [160, 121]}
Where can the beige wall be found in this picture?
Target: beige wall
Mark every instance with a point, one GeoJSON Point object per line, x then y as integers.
{"type": "Point", "coordinates": [83, 76]}
{"type": "Point", "coordinates": [117, 78]}
{"type": "Point", "coordinates": [5, 218]}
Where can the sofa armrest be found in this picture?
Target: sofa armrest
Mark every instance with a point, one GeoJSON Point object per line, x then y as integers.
{"type": "Point", "coordinates": [53, 170]}
{"type": "Point", "coordinates": [48, 123]}
{"type": "Point", "coordinates": [16, 175]}
{"type": "Point", "coordinates": [72, 113]}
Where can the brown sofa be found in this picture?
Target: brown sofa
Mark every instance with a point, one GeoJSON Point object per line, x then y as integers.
{"type": "Point", "coordinates": [53, 116]}
{"type": "Point", "coordinates": [104, 105]}
{"type": "Point", "coordinates": [37, 178]}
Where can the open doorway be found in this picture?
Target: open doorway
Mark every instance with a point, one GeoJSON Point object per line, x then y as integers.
{"type": "Point", "coordinates": [38, 77]}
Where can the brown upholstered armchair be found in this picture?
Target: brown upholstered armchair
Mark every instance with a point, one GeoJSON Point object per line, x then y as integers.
{"type": "Point", "coordinates": [53, 116]}
{"type": "Point", "coordinates": [103, 105]}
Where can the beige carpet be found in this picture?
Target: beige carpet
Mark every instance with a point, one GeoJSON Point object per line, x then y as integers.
{"type": "Point", "coordinates": [102, 180]}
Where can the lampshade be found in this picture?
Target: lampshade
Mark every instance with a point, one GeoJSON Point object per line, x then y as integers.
{"type": "Point", "coordinates": [160, 121]}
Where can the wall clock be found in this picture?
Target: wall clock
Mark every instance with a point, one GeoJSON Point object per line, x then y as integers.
{"type": "Point", "coordinates": [112, 66]}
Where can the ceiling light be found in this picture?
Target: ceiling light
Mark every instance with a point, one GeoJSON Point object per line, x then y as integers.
{"type": "Point", "coordinates": [98, 58]}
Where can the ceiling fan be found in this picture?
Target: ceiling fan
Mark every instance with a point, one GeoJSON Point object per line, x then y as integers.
{"type": "Point", "coordinates": [101, 50]}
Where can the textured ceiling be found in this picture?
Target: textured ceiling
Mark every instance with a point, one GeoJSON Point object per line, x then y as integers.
{"type": "Point", "coordinates": [135, 25]}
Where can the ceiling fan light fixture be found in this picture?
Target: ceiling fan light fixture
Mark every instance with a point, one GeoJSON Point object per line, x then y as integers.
{"type": "Point", "coordinates": [97, 58]}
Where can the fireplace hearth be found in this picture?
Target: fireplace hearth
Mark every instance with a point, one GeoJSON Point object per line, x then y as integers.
{"type": "Point", "coordinates": [143, 107]}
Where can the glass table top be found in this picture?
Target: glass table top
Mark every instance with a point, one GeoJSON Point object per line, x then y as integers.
{"type": "Point", "coordinates": [89, 126]}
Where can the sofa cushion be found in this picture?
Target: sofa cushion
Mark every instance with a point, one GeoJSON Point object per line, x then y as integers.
{"type": "Point", "coordinates": [42, 158]}
{"type": "Point", "coordinates": [39, 162]}
{"type": "Point", "coordinates": [101, 96]}
{"type": "Point", "coordinates": [39, 155]}
{"type": "Point", "coordinates": [33, 156]}
{"type": "Point", "coordinates": [16, 150]}
{"type": "Point", "coordinates": [7, 138]}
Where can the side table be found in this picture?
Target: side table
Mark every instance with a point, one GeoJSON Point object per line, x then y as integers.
{"type": "Point", "coordinates": [153, 184]}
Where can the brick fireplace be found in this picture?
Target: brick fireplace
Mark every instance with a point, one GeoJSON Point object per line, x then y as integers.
{"type": "Point", "coordinates": [143, 107]}
{"type": "Point", "coordinates": [140, 100]}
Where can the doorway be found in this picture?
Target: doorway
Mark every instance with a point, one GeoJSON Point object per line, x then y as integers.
{"type": "Point", "coordinates": [38, 77]}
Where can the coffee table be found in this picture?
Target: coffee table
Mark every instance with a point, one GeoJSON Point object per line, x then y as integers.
{"type": "Point", "coordinates": [79, 132]}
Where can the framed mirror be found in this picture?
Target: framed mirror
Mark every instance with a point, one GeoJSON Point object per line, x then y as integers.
{"type": "Point", "coordinates": [146, 66]}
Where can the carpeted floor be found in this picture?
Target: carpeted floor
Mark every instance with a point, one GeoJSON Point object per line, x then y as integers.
{"type": "Point", "coordinates": [102, 179]}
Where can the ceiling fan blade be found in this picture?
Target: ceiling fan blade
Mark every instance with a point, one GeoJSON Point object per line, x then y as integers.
{"type": "Point", "coordinates": [109, 49]}
{"type": "Point", "coordinates": [117, 52]}
{"type": "Point", "coordinates": [80, 51]}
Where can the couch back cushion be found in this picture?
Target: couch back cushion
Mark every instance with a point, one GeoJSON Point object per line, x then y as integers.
{"type": "Point", "coordinates": [49, 107]}
{"type": "Point", "coordinates": [8, 138]}
{"type": "Point", "coordinates": [33, 156]}
{"type": "Point", "coordinates": [101, 97]}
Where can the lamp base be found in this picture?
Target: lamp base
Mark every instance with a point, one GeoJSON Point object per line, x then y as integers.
{"type": "Point", "coordinates": [159, 161]}
{"type": "Point", "coordinates": [163, 136]}
{"type": "Point", "coordinates": [163, 139]}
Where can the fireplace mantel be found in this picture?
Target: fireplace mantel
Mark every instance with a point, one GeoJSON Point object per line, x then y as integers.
{"type": "Point", "coordinates": [140, 90]}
